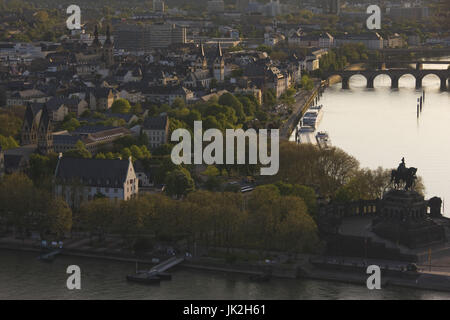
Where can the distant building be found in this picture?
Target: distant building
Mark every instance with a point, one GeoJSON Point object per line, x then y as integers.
{"type": "Point", "coordinates": [216, 6]}
{"type": "Point", "coordinates": [132, 37]}
{"type": "Point", "coordinates": [80, 180]}
{"type": "Point", "coordinates": [158, 6]}
{"type": "Point", "coordinates": [94, 138]}
{"type": "Point", "coordinates": [411, 13]}
{"type": "Point", "coordinates": [157, 130]}
{"type": "Point", "coordinates": [331, 6]}
{"type": "Point", "coordinates": [100, 99]}
{"type": "Point", "coordinates": [167, 94]}
{"type": "Point", "coordinates": [242, 5]}
{"type": "Point", "coordinates": [372, 40]}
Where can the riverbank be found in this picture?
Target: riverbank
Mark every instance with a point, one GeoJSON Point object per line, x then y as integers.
{"type": "Point", "coordinates": [301, 268]}
{"type": "Point", "coordinates": [302, 102]}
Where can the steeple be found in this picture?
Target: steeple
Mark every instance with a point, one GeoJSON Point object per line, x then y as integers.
{"type": "Point", "coordinates": [96, 42]}
{"type": "Point", "coordinates": [108, 42]}
{"type": "Point", "coordinates": [202, 50]}
{"type": "Point", "coordinates": [45, 136]}
{"type": "Point", "coordinates": [219, 65]}
{"type": "Point", "coordinates": [219, 50]}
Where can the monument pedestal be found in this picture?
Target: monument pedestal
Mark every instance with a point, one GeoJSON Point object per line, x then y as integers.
{"type": "Point", "coordinates": [404, 219]}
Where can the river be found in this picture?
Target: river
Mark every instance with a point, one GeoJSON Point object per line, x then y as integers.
{"type": "Point", "coordinates": [22, 276]}
{"type": "Point", "coordinates": [380, 126]}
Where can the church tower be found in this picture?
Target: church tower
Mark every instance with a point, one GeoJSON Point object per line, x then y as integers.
{"type": "Point", "coordinates": [108, 49]}
{"type": "Point", "coordinates": [219, 65]}
{"type": "Point", "coordinates": [29, 127]}
{"type": "Point", "coordinates": [96, 45]}
{"type": "Point", "coordinates": [45, 136]}
{"type": "Point", "coordinates": [201, 63]}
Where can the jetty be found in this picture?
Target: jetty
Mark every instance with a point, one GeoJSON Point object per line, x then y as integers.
{"type": "Point", "coordinates": [157, 273]}
{"type": "Point", "coordinates": [50, 256]}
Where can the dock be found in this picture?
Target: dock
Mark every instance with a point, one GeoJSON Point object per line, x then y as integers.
{"type": "Point", "coordinates": [50, 256]}
{"type": "Point", "coordinates": [157, 273]}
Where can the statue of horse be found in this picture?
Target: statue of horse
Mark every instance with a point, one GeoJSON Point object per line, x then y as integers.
{"type": "Point", "coordinates": [407, 176]}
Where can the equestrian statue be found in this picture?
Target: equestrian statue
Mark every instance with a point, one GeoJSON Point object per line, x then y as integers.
{"type": "Point", "coordinates": [404, 176]}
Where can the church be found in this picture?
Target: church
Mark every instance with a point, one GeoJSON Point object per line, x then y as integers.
{"type": "Point", "coordinates": [205, 69]}
{"type": "Point", "coordinates": [37, 129]}
{"type": "Point", "coordinates": [96, 55]}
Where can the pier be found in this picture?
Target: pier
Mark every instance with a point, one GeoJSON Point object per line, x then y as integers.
{"type": "Point", "coordinates": [157, 273]}
{"type": "Point", "coordinates": [49, 256]}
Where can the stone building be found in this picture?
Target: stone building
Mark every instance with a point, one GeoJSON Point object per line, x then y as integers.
{"type": "Point", "coordinates": [80, 180]}
{"type": "Point", "coordinates": [157, 130]}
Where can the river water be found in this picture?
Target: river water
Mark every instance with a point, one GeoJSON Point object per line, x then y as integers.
{"type": "Point", "coordinates": [380, 126]}
{"type": "Point", "coordinates": [22, 276]}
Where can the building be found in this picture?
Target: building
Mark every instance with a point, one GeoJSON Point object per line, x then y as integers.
{"type": "Point", "coordinates": [216, 6]}
{"type": "Point", "coordinates": [100, 99]}
{"type": "Point", "coordinates": [372, 40]}
{"type": "Point", "coordinates": [136, 38]}
{"type": "Point", "coordinates": [326, 40]}
{"type": "Point", "coordinates": [23, 97]}
{"type": "Point", "coordinates": [94, 138]}
{"type": "Point", "coordinates": [167, 94]}
{"type": "Point", "coordinates": [410, 13]}
{"type": "Point", "coordinates": [37, 129]}
{"type": "Point", "coordinates": [80, 180]}
{"type": "Point", "coordinates": [157, 130]}
{"type": "Point", "coordinates": [331, 6]}
{"type": "Point", "coordinates": [158, 6]}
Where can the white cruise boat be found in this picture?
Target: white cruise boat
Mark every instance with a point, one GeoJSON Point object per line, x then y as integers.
{"type": "Point", "coordinates": [323, 139]}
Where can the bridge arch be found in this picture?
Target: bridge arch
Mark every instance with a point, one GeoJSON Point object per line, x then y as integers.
{"type": "Point", "coordinates": [380, 78]}
{"type": "Point", "coordinates": [356, 78]}
{"type": "Point", "coordinates": [432, 78]}
{"type": "Point", "coordinates": [405, 78]}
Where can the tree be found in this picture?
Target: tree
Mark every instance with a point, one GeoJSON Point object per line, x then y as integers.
{"type": "Point", "coordinates": [79, 151]}
{"type": "Point", "coordinates": [17, 195]}
{"type": "Point", "coordinates": [178, 103]}
{"type": "Point", "coordinates": [179, 182]}
{"type": "Point", "coordinates": [10, 124]}
{"type": "Point", "coordinates": [325, 170]}
{"type": "Point", "coordinates": [120, 106]}
{"type": "Point", "coordinates": [55, 219]}
{"type": "Point", "coordinates": [227, 99]}
{"type": "Point", "coordinates": [136, 109]}
{"type": "Point", "coordinates": [97, 216]}
{"type": "Point", "coordinates": [71, 124]}
{"type": "Point", "coordinates": [306, 83]}
{"type": "Point", "coordinates": [8, 143]}
{"type": "Point", "coordinates": [42, 168]}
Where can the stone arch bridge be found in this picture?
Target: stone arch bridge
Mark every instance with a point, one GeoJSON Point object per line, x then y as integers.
{"type": "Point", "coordinates": [394, 74]}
